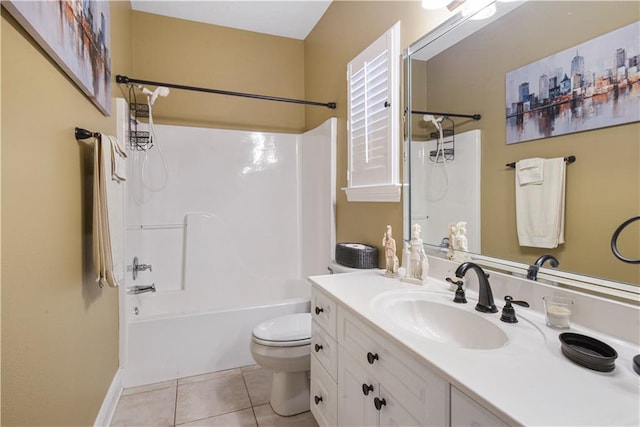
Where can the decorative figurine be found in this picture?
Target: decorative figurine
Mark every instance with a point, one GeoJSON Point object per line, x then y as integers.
{"type": "Point", "coordinates": [389, 245]}
{"type": "Point", "coordinates": [460, 243]}
{"type": "Point", "coordinates": [452, 239]}
{"type": "Point", "coordinates": [418, 266]}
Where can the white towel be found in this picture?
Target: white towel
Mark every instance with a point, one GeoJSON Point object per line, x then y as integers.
{"type": "Point", "coordinates": [530, 171]}
{"type": "Point", "coordinates": [118, 159]}
{"type": "Point", "coordinates": [108, 214]}
{"type": "Point", "coordinates": [540, 205]}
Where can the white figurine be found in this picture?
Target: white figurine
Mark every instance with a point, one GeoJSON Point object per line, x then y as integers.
{"type": "Point", "coordinates": [418, 266]}
{"type": "Point", "coordinates": [460, 243]}
{"type": "Point", "coordinates": [391, 258]}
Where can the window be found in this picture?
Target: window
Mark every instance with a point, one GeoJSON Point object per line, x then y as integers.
{"type": "Point", "coordinates": [373, 121]}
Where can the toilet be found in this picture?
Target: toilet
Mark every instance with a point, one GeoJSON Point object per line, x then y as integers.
{"type": "Point", "coordinates": [282, 345]}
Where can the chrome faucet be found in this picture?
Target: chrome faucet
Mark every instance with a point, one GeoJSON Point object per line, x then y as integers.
{"type": "Point", "coordinates": [135, 290]}
{"type": "Point", "coordinates": [532, 273]}
{"type": "Point", "coordinates": [485, 298]}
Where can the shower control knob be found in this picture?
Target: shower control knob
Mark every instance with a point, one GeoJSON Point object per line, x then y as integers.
{"type": "Point", "coordinates": [319, 310]}
{"type": "Point", "coordinates": [317, 399]}
{"type": "Point", "coordinates": [372, 357]}
{"type": "Point", "coordinates": [318, 347]}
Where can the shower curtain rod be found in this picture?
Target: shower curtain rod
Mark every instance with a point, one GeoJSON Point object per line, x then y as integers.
{"type": "Point", "coordinates": [466, 116]}
{"type": "Point", "coordinates": [127, 80]}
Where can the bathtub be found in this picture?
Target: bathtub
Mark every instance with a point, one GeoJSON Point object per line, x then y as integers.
{"type": "Point", "coordinates": [165, 347]}
{"type": "Point", "coordinates": [243, 219]}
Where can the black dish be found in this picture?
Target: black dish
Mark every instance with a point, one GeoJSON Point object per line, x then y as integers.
{"type": "Point", "coordinates": [588, 352]}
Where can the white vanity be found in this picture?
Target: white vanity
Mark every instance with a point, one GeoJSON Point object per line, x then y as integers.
{"type": "Point", "coordinates": [369, 367]}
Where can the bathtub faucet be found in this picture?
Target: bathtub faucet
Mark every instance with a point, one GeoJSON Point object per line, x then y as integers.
{"type": "Point", "coordinates": [135, 290]}
{"type": "Point", "coordinates": [136, 267]}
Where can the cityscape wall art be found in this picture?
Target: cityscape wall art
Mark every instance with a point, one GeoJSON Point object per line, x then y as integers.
{"type": "Point", "coordinates": [589, 86]}
{"type": "Point", "coordinates": [75, 33]}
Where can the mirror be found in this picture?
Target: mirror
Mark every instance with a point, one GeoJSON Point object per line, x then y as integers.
{"type": "Point", "coordinates": [460, 68]}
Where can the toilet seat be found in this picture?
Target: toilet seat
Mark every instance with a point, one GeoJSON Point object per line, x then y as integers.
{"type": "Point", "coordinates": [284, 331]}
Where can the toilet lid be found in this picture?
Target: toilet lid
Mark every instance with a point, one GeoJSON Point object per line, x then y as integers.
{"type": "Point", "coordinates": [292, 328]}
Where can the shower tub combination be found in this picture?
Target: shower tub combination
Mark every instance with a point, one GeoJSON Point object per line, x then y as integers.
{"type": "Point", "coordinates": [231, 228]}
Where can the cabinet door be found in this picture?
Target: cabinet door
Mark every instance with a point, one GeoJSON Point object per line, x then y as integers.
{"type": "Point", "coordinates": [392, 413]}
{"type": "Point", "coordinates": [466, 412]}
{"type": "Point", "coordinates": [355, 408]}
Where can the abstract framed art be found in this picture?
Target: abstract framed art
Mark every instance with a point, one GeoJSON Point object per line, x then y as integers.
{"type": "Point", "coordinates": [592, 85]}
{"type": "Point", "coordinates": [76, 34]}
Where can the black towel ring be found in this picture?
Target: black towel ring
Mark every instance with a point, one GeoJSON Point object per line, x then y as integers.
{"type": "Point", "coordinates": [614, 241]}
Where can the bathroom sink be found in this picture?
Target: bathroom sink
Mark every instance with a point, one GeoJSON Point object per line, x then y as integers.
{"type": "Point", "coordinates": [435, 317]}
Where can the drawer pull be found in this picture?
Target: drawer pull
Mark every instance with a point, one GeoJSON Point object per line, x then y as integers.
{"type": "Point", "coordinates": [372, 357]}
{"type": "Point", "coordinates": [319, 310]}
{"type": "Point", "coordinates": [366, 388]}
{"type": "Point", "coordinates": [318, 347]}
{"type": "Point", "coordinates": [379, 403]}
{"type": "Point", "coordinates": [317, 399]}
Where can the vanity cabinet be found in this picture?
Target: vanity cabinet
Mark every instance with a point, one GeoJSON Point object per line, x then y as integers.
{"type": "Point", "coordinates": [465, 412]}
{"type": "Point", "coordinates": [324, 360]}
{"type": "Point", "coordinates": [380, 384]}
{"type": "Point", "coordinates": [361, 378]}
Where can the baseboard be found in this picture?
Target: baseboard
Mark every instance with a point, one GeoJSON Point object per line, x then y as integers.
{"type": "Point", "coordinates": [108, 408]}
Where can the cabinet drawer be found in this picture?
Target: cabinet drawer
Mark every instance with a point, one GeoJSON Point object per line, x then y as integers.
{"type": "Point", "coordinates": [325, 349]}
{"type": "Point", "coordinates": [323, 311]}
{"type": "Point", "coordinates": [466, 412]}
{"type": "Point", "coordinates": [324, 390]}
{"type": "Point", "coordinates": [419, 389]}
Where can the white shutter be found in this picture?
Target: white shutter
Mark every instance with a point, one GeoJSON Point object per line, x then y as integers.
{"type": "Point", "coordinates": [373, 121]}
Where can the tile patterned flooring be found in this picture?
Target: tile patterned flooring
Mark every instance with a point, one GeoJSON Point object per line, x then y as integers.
{"type": "Point", "coordinates": [232, 398]}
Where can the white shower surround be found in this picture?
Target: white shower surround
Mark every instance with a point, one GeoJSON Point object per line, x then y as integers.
{"type": "Point", "coordinates": [441, 196]}
{"type": "Point", "coordinates": [244, 218]}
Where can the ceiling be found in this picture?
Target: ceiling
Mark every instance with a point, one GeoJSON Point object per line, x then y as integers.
{"type": "Point", "coordinates": [289, 18]}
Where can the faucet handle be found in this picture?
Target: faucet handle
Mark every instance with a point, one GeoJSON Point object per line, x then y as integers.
{"type": "Point", "coordinates": [508, 312]}
{"type": "Point", "coordinates": [460, 297]}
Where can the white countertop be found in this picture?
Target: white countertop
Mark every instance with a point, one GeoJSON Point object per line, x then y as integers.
{"type": "Point", "coordinates": [528, 381]}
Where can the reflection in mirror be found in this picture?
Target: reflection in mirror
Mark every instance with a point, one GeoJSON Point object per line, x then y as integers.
{"type": "Point", "coordinates": [457, 166]}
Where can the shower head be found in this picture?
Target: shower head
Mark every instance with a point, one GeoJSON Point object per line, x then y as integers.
{"type": "Point", "coordinates": [433, 119]}
{"type": "Point", "coordinates": [160, 91]}
{"type": "Point", "coordinates": [152, 96]}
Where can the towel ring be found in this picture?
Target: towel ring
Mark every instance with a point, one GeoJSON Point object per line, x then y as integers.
{"type": "Point", "coordinates": [614, 241]}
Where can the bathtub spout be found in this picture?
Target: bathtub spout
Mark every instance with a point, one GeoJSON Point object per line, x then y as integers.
{"type": "Point", "coordinates": [135, 290]}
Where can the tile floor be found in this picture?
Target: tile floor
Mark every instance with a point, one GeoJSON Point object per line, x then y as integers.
{"type": "Point", "coordinates": [232, 398]}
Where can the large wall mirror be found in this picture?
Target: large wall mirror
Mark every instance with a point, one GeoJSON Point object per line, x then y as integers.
{"type": "Point", "coordinates": [460, 69]}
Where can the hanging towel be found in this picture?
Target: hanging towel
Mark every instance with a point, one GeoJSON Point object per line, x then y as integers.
{"type": "Point", "coordinates": [118, 159]}
{"type": "Point", "coordinates": [530, 171]}
{"type": "Point", "coordinates": [540, 203]}
{"type": "Point", "coordinates": [108, 211]}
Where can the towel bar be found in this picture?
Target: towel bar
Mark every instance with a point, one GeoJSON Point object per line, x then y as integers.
{"type": "Point", "coordinates": [569, 160]}
{"type": "Point", "coordinates": [84, 134]}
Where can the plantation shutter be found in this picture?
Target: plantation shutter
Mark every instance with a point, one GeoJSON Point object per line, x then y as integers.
{"type": "Point", "coordinates": [373, 86]}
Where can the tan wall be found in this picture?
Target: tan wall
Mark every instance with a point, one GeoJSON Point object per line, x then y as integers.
{"type": "Point", "coordinates": [59, 330]}
{"type": "Point", "coordinates": [344, 31]}
{"type": "Point", "coordinates": [194, 54]}
{"type": "Point", "coordinates": [603, 186]}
